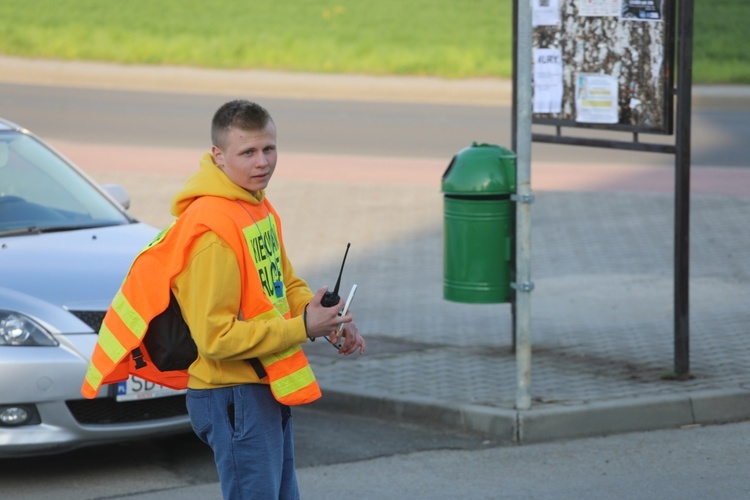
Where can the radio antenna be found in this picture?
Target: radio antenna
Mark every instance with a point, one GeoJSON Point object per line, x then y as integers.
{"type": "Point", "coordinates": [338, 281]}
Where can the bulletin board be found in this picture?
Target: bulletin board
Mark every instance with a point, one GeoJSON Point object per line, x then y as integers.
{"type": "Point", "coordinates": [604, 64]}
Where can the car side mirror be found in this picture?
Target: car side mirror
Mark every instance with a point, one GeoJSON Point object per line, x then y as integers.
{"type": "Point", "coordinates": [119, 194]}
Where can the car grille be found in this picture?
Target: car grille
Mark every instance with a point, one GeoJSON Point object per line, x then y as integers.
{"type": "Point", "coordinates": [92, 318]}
{"type": "Point", "coordinates": [103, 411]}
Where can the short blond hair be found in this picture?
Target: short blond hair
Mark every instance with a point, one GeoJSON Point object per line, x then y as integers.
{"type": "Point", "coordinates": [240, 113]}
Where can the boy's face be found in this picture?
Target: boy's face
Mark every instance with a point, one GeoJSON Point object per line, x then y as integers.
{"type": "Point", "coordinates": [249, 157]}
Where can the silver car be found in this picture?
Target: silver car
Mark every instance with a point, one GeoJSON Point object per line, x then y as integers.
{"type": "Point", "coordinates": [65, 247]}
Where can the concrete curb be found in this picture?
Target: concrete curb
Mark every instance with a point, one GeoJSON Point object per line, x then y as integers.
{"type": "Point", "coordinates": [498, 423]}
{"type": "Point", "coordinates": [537, 425]}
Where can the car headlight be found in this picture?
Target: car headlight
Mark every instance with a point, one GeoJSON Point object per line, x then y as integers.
{"type": "Point", "coordinates": [17, 329]}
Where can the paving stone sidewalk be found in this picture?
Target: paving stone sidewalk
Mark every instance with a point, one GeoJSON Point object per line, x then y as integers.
{"type": "Point", "coordinates": [602, 321]}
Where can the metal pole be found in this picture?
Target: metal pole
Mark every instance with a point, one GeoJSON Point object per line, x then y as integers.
{"type": "Point", "coordinates": [682, 192]}
{"type": "Point", "coordinates": [514, 148]}
{"type": "Point", "coordinates": [523, 207]}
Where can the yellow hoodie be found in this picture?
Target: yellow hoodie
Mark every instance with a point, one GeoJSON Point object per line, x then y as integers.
{"type": "Point", "coordinates": [208, 291]}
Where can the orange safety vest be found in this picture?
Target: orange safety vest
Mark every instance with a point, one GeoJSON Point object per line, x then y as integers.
{"type": "Point", "coordinates": [145, 293]}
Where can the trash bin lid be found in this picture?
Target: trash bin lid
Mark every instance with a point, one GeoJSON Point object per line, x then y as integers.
{"type": "Point", "coordinates": [481, 169]}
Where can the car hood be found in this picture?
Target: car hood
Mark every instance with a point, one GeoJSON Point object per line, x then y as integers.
{"type": "Point", "coordinates": [75, 270]}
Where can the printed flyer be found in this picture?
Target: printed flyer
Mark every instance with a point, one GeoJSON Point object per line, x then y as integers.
{"type": "Point", "coordinates": [548, 80]}
{"type": "Point", "coordinates": [545, 12]}
{"type": "Point", "coordinates": [596, 98]}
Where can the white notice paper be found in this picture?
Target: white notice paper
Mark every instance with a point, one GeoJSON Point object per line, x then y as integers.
{"type": "Point", "coordinates": [598, 8]}
{"type": "Point", "coordinates": [545, 13]}
{"type": "Point", "coordinates": [596, 98]}
{"type": "Point", "coordinates": [548, 80]}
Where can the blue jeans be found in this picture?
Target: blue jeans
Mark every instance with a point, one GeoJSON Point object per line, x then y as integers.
{"type": "Point", "coordinates": [252, 439]}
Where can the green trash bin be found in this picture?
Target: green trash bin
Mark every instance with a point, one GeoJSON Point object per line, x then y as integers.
{"type": "Point", "coordinates": [478, 225]}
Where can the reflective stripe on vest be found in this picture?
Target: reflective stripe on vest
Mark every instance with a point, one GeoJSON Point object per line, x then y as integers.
{"type": "Point", "coordinates": [290, 372]}
{"type": "Point", "coordinates": [144, 296]}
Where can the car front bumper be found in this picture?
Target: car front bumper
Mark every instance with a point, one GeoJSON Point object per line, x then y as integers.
{"type": "Point", "coordinates": [48, 379]}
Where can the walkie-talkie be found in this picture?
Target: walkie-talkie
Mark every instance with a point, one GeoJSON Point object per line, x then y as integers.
{"type": "Point", "coordinates": [330, 299]}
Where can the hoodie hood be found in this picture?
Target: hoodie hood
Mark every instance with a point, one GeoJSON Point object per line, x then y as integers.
{"type": "Point", "coordinates": [210, 180]}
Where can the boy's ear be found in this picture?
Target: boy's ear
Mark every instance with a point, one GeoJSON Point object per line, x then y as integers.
{"type": "Point", "coordinates": [218, 156]}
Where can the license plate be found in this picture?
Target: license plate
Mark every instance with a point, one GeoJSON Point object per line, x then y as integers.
{"type": "Point", "coordinates": [136, 388]}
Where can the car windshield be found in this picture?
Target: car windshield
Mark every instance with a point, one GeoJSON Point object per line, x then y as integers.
{"type": "Point", "coordinates": [40, 192]}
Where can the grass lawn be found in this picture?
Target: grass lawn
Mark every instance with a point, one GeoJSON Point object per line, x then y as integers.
{"type": "Point", "coordinates": [445, 38]}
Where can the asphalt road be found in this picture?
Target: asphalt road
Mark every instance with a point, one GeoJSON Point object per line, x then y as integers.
{"type": "Point", "coordinates": [382, 129]}
{"type": "Point", "coordinates": [685, 464]}
{"type": "Point", "coordinates": [120, 470]}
